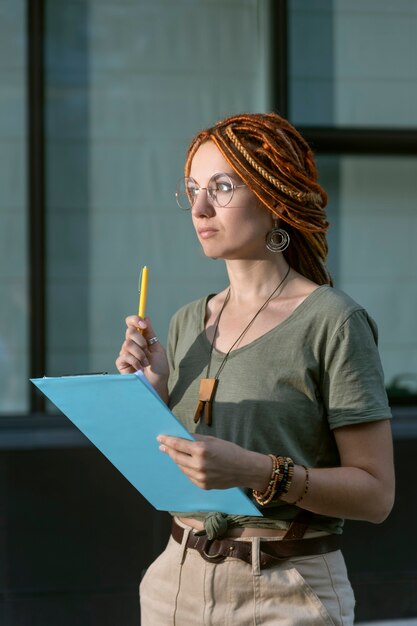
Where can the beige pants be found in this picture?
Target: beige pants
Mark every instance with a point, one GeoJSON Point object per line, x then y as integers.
{"type": "Point", "coordinates": [180, 588]}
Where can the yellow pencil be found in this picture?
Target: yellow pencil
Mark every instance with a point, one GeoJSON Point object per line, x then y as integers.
{"type": "Point", "coordinates": [143, 290]}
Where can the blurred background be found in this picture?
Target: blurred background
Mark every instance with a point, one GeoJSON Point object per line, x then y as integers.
{"type": "Point", "coordinates": [98, 102]}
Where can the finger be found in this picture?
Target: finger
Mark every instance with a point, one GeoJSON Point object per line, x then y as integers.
{"type": "Point", "coordinates": [150, 334]}
{"type": "Point", "coordinates": [124, 368]}
{"type": "Point", "coordinates": [182, 458]}
{"type": "Point", "coordinates": [178, 444]}
{"type": "Point", "coordinates": [184, 461]}
{"type": "Point", "coordinates": [135, 334]}
{"type": "Point", "coordinates": [143, 333]}
{"type": "Point", "coordinates": [134, 321]}
{"type": "Point", "coordinates": [194, 476]}
{"type": "Point", "coordinates": [140, 323]}
{"type": "Point", "coordinates": [135, 361]}
{"type": "Point", "coordinates": [191, 466]}
{"type": "Point", "coordinates": [138, 347]}
{"type": "Point", "coordinates": [127, 368]}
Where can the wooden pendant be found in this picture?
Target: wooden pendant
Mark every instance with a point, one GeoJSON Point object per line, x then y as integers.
{"type": "Point", "coordinates": [204, 408]}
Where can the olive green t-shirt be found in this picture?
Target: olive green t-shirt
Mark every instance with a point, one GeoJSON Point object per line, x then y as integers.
{"type": "Point", "coordinates": [286, 391]}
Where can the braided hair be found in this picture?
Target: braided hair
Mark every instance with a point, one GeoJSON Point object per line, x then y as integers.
{"type": "Point", "coordinates": [277, 164]}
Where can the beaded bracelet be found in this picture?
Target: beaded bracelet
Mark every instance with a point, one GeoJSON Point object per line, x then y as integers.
{"type": "Point", "coordinates": [266, 496]}
{"type": "Point", "coordinates": [286, 478]}
{"type": "Point", "coordinates": [279, 482]}
{"type": "Point", "coordinates": [306, 486]}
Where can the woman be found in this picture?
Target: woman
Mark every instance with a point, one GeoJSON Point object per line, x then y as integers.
{"type": "Point", "coordinates": [279, 377]}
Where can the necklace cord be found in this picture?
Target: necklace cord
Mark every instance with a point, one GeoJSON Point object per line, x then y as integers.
{"type": "Point", "coordinates": [226, 300]}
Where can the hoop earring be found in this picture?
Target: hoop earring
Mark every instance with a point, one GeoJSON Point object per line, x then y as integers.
{"type": "Point", "coordinates": [277, 239]}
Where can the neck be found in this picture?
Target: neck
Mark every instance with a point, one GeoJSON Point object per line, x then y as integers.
{"type": "Point", "coordinates": [251, 280]}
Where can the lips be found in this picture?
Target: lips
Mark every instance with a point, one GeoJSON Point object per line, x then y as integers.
{"type": "Point", "coordinates": [205, 233]}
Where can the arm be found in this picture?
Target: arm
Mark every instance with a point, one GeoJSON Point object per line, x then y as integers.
{"type": "Point", "coordinates": [362, 488]}
{"type": "Point", "coordinates": [135, 354]}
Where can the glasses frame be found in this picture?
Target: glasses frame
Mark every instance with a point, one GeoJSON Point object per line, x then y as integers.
{"type": "Point", "coordinates": [212, 201]}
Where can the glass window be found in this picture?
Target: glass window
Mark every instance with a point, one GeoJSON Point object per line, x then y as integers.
{"type": "Point", "coordinates": [13, 211]}
{"type": "Point", "coordinates": [352, 63]}
{"type": "Point", "coordinates": [373, 256]}
{"type": "Point", "coordinates": [128, 84]}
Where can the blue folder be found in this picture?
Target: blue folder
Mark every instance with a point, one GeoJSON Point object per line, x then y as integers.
{"type": "Point", "coordinates": [122, 416]}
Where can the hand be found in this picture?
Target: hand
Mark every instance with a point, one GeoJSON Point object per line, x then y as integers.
{"type": "Point", "coordinates": [212, 463]}
{"type": "Point", "coordinates": [135, 354]}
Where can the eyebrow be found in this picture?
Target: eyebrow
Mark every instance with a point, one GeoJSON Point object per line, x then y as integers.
{"type": "Point", "coordinates": [232, 174]}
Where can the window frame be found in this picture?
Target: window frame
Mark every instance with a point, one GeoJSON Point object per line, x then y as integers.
{"type": "Point", "coordinates": [36, 196]}
{"type": "Point", "coordinates": [342, 141]}
{"type": "Point", "coordinates": [36, 428]}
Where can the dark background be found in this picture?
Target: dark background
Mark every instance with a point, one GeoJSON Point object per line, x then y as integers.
{"type": "Point", "coordinates": [75, 537]}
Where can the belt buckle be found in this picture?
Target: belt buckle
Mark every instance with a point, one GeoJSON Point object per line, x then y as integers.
{"type": "Point", "coordinates": [213, 558]}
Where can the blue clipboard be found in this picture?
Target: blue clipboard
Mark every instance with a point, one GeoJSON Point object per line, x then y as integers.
{"type": "Point", "coordinates": [122, 415]}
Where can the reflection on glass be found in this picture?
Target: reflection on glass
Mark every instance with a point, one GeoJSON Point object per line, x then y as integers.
{"type": "Point", "coordinates": [353, 63]}
{"type": "Point", "coordinates": [13, 253]}
{"type": "Point", "coordinates": [373, 255]}
{"type": "Point", "coordinates": [127, 86]}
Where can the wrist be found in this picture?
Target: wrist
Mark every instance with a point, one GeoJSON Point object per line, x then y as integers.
{"type": "Point", "coordinates": [161, 387]}
{"type": "Point", "coordinates": [299, 486]}
{"type": "Point", "coordinates": [279, 480]}
{"type": "Point", "coordinates": [260, 471]}
{"type": "Point", "coordinates": [162, 391]}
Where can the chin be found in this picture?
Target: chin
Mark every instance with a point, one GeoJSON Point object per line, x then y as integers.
{"type": "Point", "coordinates": [217, 253]}
{"type": "Point", "coordinates": [229, 254]}
{"type": "Point", "coordinates": [210, 250]}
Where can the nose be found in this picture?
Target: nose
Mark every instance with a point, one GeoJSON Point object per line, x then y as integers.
{"type": "Point", "coordinates": [202, 206]}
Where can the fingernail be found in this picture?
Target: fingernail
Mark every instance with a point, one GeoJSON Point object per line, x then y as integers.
{"type": "Point", "coordinates": [163, 448]}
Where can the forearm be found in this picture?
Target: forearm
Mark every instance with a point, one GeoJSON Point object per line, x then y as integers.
{"type": "Point", "coordinates": [362, 488]}
{"type": "Point", "coordinates": [347, 492]}
{"type": "Point", "coordinates": [161, 389]}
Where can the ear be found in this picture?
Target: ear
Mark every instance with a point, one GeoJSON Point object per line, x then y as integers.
{"type": "Point", "coordinates": [276, 216]}
{"type": "Point", "coordinates": [278, 209]}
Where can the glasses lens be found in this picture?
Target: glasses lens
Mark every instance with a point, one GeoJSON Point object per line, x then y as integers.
{"type": "Point", "coordinates": [186, 193]}
{"type": "Point", "coordinates": [220, 189]}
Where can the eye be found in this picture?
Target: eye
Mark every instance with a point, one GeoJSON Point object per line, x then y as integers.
{"type": "Point", "coordinates": [224, 185]}
{"type": "Point", "coordinates": [221, 183]}
{"type": "Point", "coordinates": [192, 188]}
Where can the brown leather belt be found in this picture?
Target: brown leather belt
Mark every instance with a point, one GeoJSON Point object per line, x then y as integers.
{"type": "Point", "coordinates": [271, 552]}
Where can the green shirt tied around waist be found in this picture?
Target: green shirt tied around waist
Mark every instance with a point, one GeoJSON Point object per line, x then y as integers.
{"type": "Point", "coordinates": [286, 391]}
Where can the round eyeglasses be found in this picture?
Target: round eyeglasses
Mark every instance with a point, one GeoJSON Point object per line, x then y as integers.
{"type": "Point", "coordinates": [220, 190]}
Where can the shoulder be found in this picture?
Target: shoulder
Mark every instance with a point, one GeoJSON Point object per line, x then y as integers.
{"type": "Point", "coordinates": [189, 318]}
{"type": "Point", "coordinates": [186, 324]}
{"type": "Point", "coordinates": [341, 314]}
{"type": "Point", "coordinates": [336, 303]}
{"type": "Point", "coordinates": [191, 311]}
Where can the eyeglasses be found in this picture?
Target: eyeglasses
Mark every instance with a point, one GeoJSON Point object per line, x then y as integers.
{"type": "Point", "coordinates": [220, 190]}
